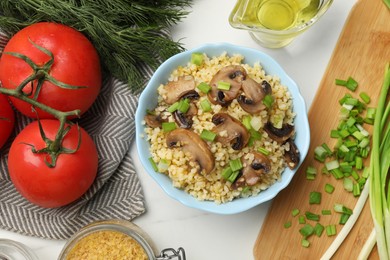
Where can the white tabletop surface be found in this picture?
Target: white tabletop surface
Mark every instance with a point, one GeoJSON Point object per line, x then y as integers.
{"type": "Point", "coordinates": [203, 235]}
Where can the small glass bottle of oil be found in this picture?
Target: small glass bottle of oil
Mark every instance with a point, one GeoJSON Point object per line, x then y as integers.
{"type": "Point", "coordinates": [274, 14]}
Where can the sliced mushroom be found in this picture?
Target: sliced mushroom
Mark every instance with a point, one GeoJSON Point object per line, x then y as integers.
{"type": "Point", "coordinates": [279, 135]}
{"type": "Point", "coordinates": [153, 121]}
{"type": "Point", "coordinates": [254, 92]}
{"type": "Point", "coordinates": [252, 171]}
{"type": "Point", "coordinates": [230, 131]}
{"type": "Point", "coordinates": [191, 143]}
{"type": "Point", "coordinates": [179, 88]}
{"type": "Point", "coordinates": [292, 155]}
{"type": "Point", "coordinates": [232, 74]}
{"type": "Point", "coordinates": [182, 119]}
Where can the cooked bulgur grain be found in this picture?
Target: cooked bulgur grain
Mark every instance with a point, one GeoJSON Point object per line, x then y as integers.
{"type": "Point", "coordinates": [107, 245]}
{"type": "Point", "coordinates": [185, 173]}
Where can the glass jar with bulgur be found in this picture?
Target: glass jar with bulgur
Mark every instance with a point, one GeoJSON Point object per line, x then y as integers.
{"type": "Point", "coordinates": [112, 239]}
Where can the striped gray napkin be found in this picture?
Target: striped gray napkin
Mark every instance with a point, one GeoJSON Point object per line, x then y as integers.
{"type": "Point", "coordinates": [116, 192]}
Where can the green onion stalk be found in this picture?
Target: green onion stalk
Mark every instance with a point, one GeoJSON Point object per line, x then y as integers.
{"type": "Point", "coordinates": [379, 167]}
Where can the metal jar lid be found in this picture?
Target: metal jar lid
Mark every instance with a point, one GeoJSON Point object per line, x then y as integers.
{"type": "Point", "coordinates": [127, 228]}
{"type": "Point", "coordinates": [12, 250]}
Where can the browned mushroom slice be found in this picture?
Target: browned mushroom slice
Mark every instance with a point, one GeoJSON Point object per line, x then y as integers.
{"type": "Point", "coordinates": [179, 88]}
{"type": "Point", "coordinates": [292, 155]}
{"type": "Point", "coordinates": [252, 171]}
{"type": "Point", "coordinates": [153, 121]}
{"type": "Point", "coordinates": [193, 144]}
{"type": "Point", "coordinates": [254, 92]}
{"type": "Point", "coordinates": [232, 74]}
{"type": "Point", "coordinates": [230, 131]}
{"type": "Point", "coordinates": [184, 120]}
{"type": "Point", "coordinates": [279, 135]}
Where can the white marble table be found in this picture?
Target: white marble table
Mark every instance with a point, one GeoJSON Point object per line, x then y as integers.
{"type": "Point", "coordinates": [207, 236]}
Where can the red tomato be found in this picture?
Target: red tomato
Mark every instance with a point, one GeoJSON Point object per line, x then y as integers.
{"type": "Point", "coordinates": [7, 119]}
{"type": "Point", "coordinates": [53, 187]}
{"type": "Point", "coordinates": [76, 63]}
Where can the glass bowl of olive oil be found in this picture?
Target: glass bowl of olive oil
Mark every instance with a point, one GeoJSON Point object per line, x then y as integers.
{"type": "Point", "coordinates": [275, 23]}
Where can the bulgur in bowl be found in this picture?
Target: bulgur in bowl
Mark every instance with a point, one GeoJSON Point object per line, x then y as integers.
{"type": "Point", "coordinates": [221, 128]}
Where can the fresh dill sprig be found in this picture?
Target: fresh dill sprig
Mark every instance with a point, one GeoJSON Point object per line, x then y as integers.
{"type": "Point", "coordinates": [129, 35]}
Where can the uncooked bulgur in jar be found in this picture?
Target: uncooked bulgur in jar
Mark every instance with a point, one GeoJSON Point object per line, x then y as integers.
{"type": "Point", "coordinates": [107, 245]}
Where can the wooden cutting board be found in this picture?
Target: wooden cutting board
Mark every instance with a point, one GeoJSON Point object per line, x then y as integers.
{"type": "Point", "coordinates": [362, 51]}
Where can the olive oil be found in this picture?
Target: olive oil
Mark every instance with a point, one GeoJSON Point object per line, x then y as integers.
{"type": "Point", "coordinates": [275, 14]}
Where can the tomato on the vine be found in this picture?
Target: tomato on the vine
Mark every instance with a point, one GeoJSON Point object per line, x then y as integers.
{"type": "Point", "coordinates": [7, 119]}
{"type": "Point", "coordinates": [75, 63]}
{"type": "Point", "coordinates": [56, 186]}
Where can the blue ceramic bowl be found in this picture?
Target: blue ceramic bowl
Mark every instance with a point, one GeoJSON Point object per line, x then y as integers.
{"type": "Point", "coordinates": [148, 100]}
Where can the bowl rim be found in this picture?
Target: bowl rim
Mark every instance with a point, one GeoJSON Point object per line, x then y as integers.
{"type": "Point", "coordinates": [211, 49]}
{"type": "Point", "coordinates": [294, 30]}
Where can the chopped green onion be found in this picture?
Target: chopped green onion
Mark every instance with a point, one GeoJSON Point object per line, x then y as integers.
{"type": "Point", "coordinates": [307, 230]}
{"type": "Point", "coordinates": [172, 108]}
{"type": "Point", "coordinates": [340, 82]}
{"type": "Point", "coordinates": [318, 229]}
{"type": "Point", "coordinates": [163, 165]}
{"type": "Point", "coordinates": [222, 85]}
{"type": "Point", "coordinates": [208, 135]}
{"type": "Point", "coordinates": [366, 98]}
{"type": "Point", "coordinates": [311, 173]}
{"type": "Point", "coordinates": [351, 121]}
{"type": "Point", "coordinates": [343, 219]}
{"type": "Point", "coordinates": [344, 133]}
{"type": "Point", "coordinates": [295, 212]}
{"type": "Point", "coordinates": [268, 100]}
{"type": "Point", "coordinates": [287, 224]}
{"type": "Point", "coordinates": [358, 135]}
{"type": "Point", "coordinates": [359, 162]}
{"type": "Point", "coordinates": [366, 172]}
{"type": "Point", "coordinates": [246, 121]}
{"type": "Point", "coordinates": [204, 87]}
{"type": "Point", "coordinates": [356, 188]}
{"type": "Point", "coordinates": [305, 243]}
{"type": "Point", "coordinates": [205, 105]}
{"type": "Point", "coordinates": [320, 153]}
{"type": "Point", "coordinates": [153, 163]}
{"type": "Point", "coordinates": [226, 172]}
{"type": "Point", "coordinates": [363, 143]}
{"type": "Point", "coordinates": [168, 126]}
{"type": "Point", "coordinates": [235, 164]}
{"type": "Point", "coordinates": [326, 212]}
{"type": "Point", "coordinates": [347, 95]}
{"type": "Point", "coordinates": [233, 176]}
{"type": "Point", "coordinates": [255, 134]}
{"type": "Point", "coordinates": [351, 84]}
{"type": "Point", "coordinates": [348, 184]}
{"type": "Point", "coordinates": [197, 58]}
{"type": "Point", "coordinates": [340, 208]}
{"type": "Point", "coordinates": [312, 216]}
{"type": "Point", "coordinates": [315, 197]}
{"type": "Point", "coordinates": [337, 173]}
{"type": "Point", "coordinates": [331, 230]}
{"type": "Point", "coordinates": [334, 134]}
{"type": "Point", "coordinates": [351, 101]}
{"type": "Point", "coordinates": [329, 188]}
{"type": "Point", "coordinates": [263, 151]}
{"type": "Point", "coordinates": [301, 220]}
{"type": "Point", "coordinates": [331, 165]}
{"type": "Point", "coordinates": [256, 123]}
{"type": "Point", "coordinates": [184, 105]}
{"type": "Point", "coordinates": [326, 147]}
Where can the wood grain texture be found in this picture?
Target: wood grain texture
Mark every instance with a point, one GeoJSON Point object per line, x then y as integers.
{"type": "Point", "coordinates": [362, 51]}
